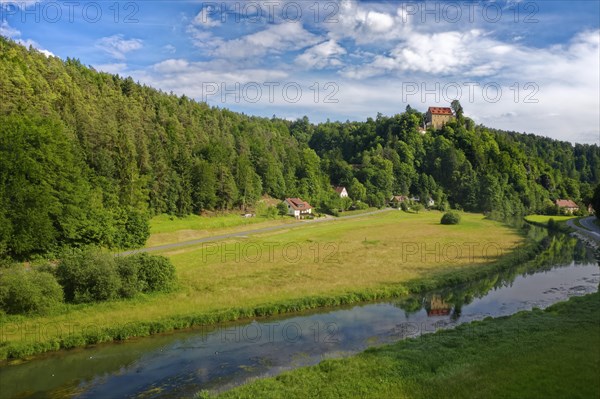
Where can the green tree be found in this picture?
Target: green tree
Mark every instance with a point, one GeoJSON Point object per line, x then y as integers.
{"type": "Point", "coordinates": [204, 182]}
{"type": "Point", "coordinates": [357, 190]}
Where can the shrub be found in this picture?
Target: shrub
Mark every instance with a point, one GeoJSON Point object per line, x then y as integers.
{"type": "Point", "coordinates": [128, 269]}
{"type": "Point", "coordinates": [450, 218]}
{"type": "Point", "coordinates": [282, 208]}
{"type": "Point", "coordinates": [359, 205]}
{"type": "Point", "coordinates": [156, 273]}
{"type": "Point", "coordinates": [28, 291]}
{"type": "Point", "coordinates": [90, 276]}
{"type": "Point", "coordinates": [272, 212]}
{"type": "Point", "coordinates": [87, 276]}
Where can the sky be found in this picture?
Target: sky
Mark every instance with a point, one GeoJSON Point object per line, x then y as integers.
{"type": "Point", "coordinates": [525, 66]}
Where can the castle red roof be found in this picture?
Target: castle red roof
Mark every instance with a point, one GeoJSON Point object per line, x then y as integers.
{"type": "Point", "coordinates": [440, 111]}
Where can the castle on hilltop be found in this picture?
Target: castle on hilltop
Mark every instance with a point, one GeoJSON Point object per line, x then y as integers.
{"type": "Point", "coordinates": [438, 117]}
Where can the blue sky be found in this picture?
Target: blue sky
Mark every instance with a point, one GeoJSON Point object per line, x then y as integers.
{"type": "Point", "coordinates": [528, 66]}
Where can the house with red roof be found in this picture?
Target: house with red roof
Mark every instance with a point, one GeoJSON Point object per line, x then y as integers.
{"type": "Point", "coordinates": [568, 206]}
{"type": "Point", "coordinates": [438, 116]}
{"type": "Point", "coordinates": [297, 207]}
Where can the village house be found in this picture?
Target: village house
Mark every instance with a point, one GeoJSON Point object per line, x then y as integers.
{"type": "Point", "coordinates": [567, 206]}
{"type": "Point", "coordinates": [297, 207]}
{"type": "Point", "coordinates": [438, 116]}
{"type": "Point", "coordinates": [430, 202]}
{"type": "Point", "coordinates": [396, 200]}
{"type": "Point", "coordinates": [341, 191]}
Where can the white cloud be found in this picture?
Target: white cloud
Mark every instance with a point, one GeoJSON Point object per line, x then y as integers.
{"type": "Point", "coordinates": [28, 42]}
{"type": "Point", "coordinates": [368, 26]}
{"type": "Point", "coordinates": [169, 48]}
{"type": "Point", "coordinates": [193, 78]}
{"type": "Point", "coordinates": [171, 66]}
{"type": "Point", "coordinates": [441, 53]}
{"type": "Point", "coordinates": [322, 55]}
{"type": "Point", "coordinates": [8, 31]}
{"type": "Point", "coordinates": [15, 34]}
{"type": "Point", "coordinates": [204, 19]}
{"type": "Point", "coordinates": [117, 46]}
{"type": "Point", "coordinates": [274, 39]}
{"type": "Point", "coordinates": [378, 22]}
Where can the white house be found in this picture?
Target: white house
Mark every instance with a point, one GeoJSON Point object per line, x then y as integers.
{"type": "Point", "coordinates": [297, 207]}
{"type": "Point", "coordinates": [430, 202]}
{"type": "Point", "coordinates": [341, 192]}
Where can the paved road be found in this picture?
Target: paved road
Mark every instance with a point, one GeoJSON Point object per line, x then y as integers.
{"type": "Point", "coordinates": [249, 232]}
{"type": "Point", "coordinates": [591, 229]}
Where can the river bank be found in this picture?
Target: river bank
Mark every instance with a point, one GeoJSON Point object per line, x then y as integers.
{"type": "Point", "coordinates": [552, 353]}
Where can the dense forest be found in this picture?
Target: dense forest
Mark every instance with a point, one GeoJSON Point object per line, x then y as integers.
{"type": "Point", "coordinates": [89, 157]}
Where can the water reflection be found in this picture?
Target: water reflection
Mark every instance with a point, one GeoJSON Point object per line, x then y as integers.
{"type": "Point", "coordinates": [560, 249]}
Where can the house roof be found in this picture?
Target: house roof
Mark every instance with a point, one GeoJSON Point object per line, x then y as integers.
{"type": "Point", "coordinates": [440, 111]}
{"type": "Point", "coordinates": [339, 190]}
{"type": "Point", "coordinates": [298, 204]}
{"type": "Point", "coordinates": [566, 203]}
{"type": "Point", "coordinates": [399, 198]}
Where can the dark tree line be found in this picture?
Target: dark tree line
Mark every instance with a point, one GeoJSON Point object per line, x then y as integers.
{"type": "Point", "coordinates": [88, 157]}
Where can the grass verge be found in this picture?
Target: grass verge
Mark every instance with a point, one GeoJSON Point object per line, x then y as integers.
{"type": "Point", "coordinates": [553, 353]}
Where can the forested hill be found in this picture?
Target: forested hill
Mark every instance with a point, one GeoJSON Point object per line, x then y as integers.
{"type": "Point", "coordinates": [88, 157]}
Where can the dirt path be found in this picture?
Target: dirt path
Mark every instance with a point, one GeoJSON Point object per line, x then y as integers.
{"type": "Point", "coordinates": [249, 232]}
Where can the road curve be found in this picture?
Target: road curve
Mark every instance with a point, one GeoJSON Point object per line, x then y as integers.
{"type": "Point", "coordinates": [590, 230]}
{"type": "Point", "coordinates": [247, 233]}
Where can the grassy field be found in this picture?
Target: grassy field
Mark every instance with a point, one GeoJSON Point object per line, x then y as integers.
{"type": "Point", "coordinates": [166, 229]}
{"type": "Point", "coordinates": [539, 354]}
{"type": "Point", "coordinates": [543, 219]}
{"type": "Point", "coordinates": [318, 264]}
{"type": "Point", "coordinates": [357, 212]}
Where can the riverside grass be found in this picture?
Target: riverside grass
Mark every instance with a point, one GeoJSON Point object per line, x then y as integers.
{"type": "Point", "coordinates": [553, 353]}
{"type": "Point", "coordinates": [366, 264]}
